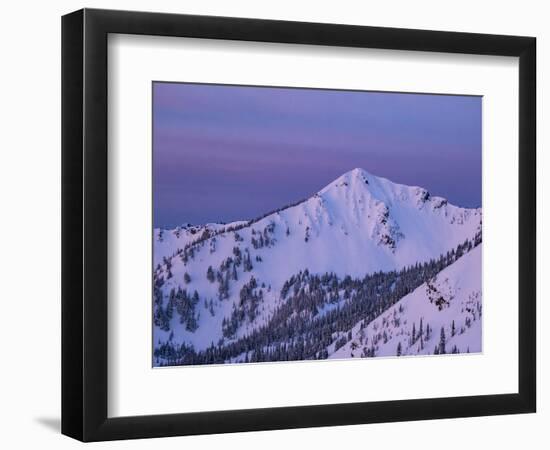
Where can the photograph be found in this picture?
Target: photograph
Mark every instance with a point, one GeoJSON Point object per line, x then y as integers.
{"type": "Point", "coordinates": [297, 224]}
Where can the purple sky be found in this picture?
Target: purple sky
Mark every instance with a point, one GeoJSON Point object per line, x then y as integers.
{"type": "Point", "coordinates": [224, 153]}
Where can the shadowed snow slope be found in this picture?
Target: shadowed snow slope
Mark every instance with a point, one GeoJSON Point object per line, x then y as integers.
{"type": "Point", "coordinates": [453, 296]}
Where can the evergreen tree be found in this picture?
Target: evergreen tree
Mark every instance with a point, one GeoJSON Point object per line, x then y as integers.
{"type": "Point", "coordinates": [170, 310]}
{"type": "Point", "coordinates": [399, 350]}
{"type": "Point", "coordinates": [211, 308]}
{"type": "Point", "coordinates": [210, 274]}
{"type": "Point", "coordinates": [442, 342]}
{"type": "Point", "coordinates": [223, 288]}
{"type": "Point", "coordinates": [186, 278]}
{"type": "Point", "coordinates": [247, 264]}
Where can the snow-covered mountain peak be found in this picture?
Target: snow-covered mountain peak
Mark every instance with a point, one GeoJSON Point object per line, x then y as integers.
{"type": "Point", "coordinates": [358, 183]}
{"type": "Point", "coordinates": [355, 179]}
{"type": "Point", "coordinates": [357, 174]}
{"type": "Point", "coordinates": [357, 225]}
{"type": "Point", "coordinates": [356, 214]}
{"type": "Point", "coordinates": [361, 191]}
{"type": "Point", "coordinates": [384, 211]}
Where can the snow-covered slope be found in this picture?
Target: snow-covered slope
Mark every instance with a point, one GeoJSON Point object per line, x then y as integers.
{"type": "Point", "coordinates": [356, 225]}
{"type": "Point", "coordinates": [168, 241]}
{"type": "Point", "coordinates": [453, 296]}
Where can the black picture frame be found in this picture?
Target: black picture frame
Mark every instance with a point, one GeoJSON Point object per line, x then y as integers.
{"type": "Point", "coordinates": [84, 224]}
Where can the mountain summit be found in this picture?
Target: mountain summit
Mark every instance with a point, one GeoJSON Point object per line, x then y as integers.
{"type": "Point", "coordinates": [357, 225]}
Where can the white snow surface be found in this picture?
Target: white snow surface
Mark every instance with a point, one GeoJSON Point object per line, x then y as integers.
{"type": "Point", "coordinates": [459, 287]}
{"type": "Point", "coordinates": [166, 242]}
{"type": "Point", "coordinates": [358, 224]}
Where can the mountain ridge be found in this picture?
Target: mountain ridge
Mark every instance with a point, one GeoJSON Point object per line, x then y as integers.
{"type": "Point", "coordinates": [356, 225]}
{"type": "Point", "coordinates": [385, 195]}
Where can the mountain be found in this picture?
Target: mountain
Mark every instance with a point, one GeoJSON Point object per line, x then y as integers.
{"type": "Point", "coordinates": [453, 296]}
{"type": "Point", "coordinates": [357, 225]}
{"type": "Point", "coordinates": [167, 242]}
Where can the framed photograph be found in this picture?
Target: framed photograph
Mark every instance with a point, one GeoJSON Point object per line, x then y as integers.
{"type": "Point", "coordinates": [273, 224]}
